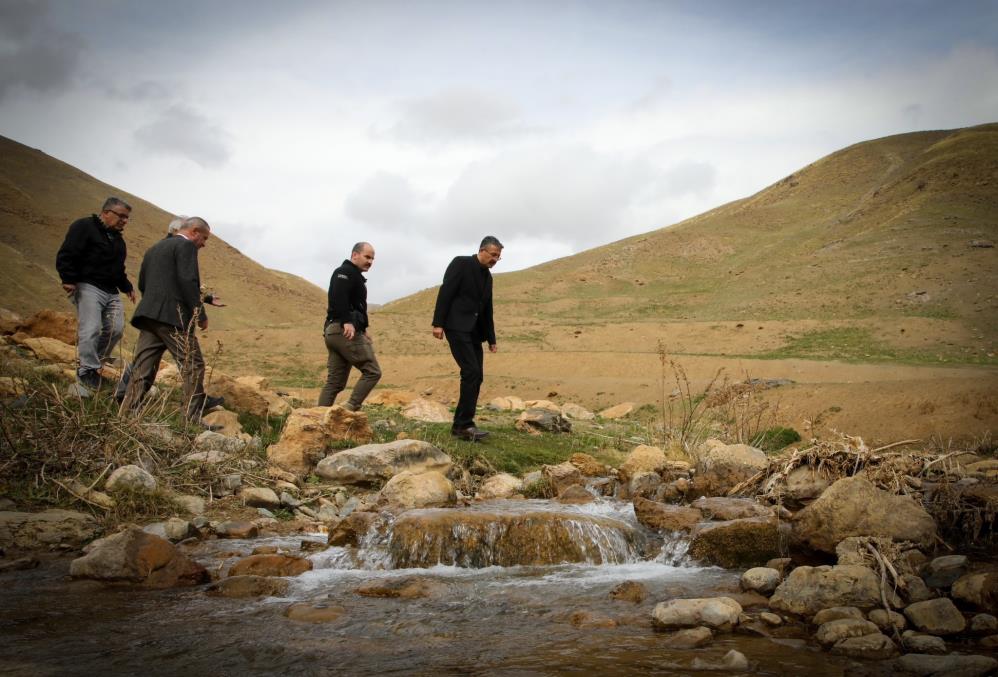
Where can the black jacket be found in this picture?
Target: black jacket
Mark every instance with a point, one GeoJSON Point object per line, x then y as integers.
{"type": "Point", "coordinates": [464, 302]}
{"type": "Point", "coordinates": [170, 283]}
{"type": "Point", "coordinates": [347, 296]}
{"type": "Point", "coordinates": [94, 254]}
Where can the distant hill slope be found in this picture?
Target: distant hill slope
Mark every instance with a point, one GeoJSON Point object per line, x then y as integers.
{"type": "Point", "coordinates": [40, 196]}
{"type": "Point", "coordinates": [880, 236]}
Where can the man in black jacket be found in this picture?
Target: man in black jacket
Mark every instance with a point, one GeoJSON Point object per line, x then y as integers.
{"type": "Point", "coordinates": [171, 305]}
{"type": "Point", "coordinates": [464, 314]}
{"type": "Point", "coordinates": [91, 265]}
{"type": "Point", "coordinates": [345, 331]}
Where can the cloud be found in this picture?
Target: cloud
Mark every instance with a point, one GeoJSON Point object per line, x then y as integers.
{"type": "Point", "coordinates": [147, 90]}
{"type": "Point", "coordinates": [384, 199]}
{"type": "Point", "coordinates": [570, 193]}
{"type": "Point", "coordinates": [457, 114]}
{"type": "Point", "coordinates": [688, 178]}
{"type": "Point", "coordinates": [32, 55]}
{"type": "Point", "coordinates": [186, 133]}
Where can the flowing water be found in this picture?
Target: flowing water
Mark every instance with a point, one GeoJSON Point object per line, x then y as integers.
{"type": "Point", "coordinates": [473, 620]}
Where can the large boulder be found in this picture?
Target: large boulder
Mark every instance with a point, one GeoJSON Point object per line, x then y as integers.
{"type": "Point", "coordinates": [50, 324]}
{"type": "Point", "coordinates": [372, 463]}
{"type": "Point", "coordinates": [238, 396]}
{"type": "Point", "coordinates": [30, 530]}
{"type": "Point", "coordinates": [308, 433]}
{"type": "Point", "coordinates": [270, 565]}
{"type": "Point", "coordinates": [428, 411]}
{"type": "Point", "coordinates": [723, 466]}
{"type": "Point", "coordinates": [740, 543]}
{"type": "Point", "coordinates": [853, 506]}
{"type": "Point", "coordinates": [588, 465]}
{"type": "Point", "coordinates": [718, 613]}
{"type": "Point", "coordinates": [276, 405]}
{"type": "Point", "coordinates": [808, 590]}
{"type": "Point", "coordinates": [804, 484]}
{"type": "Point", "coordinates": [643, 458]}
{"type": "Point", "coordinates": [48, 349]}
{"type": "Point", "coordinates": [134, 556]}
{"type": "Point", "coordinates": [562, 476]}
{"type": "Point", "coordinates": [666, 517]}
{"type": "Point", "coordinates": [978, 589]}
{"type": "Point", "coordinates": [408, 490]}
{"type": "Point", "coordinates": [502, 485]}
{"type": "Point", "coordinates": [936, 617]}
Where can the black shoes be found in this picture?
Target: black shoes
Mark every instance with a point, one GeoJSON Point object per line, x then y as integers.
{"type": "Point", "coordinates": [212, 402]}
{"type": "Point", "coordinates": [90, 379]}
{"type": "Point", "coordinates": [469, 434]}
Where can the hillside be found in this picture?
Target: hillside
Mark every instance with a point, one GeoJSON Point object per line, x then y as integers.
{"type": "Point", "coordinates": [40, 196]}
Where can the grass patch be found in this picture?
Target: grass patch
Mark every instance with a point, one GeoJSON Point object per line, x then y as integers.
{"type": "Point", "coordinates": [776, 438]}
{"type": "Point", "coordinates": [854, 344]}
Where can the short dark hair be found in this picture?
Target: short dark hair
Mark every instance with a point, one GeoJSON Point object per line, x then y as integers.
{"type": "Point", "coordinates": [112, 202]}
{"type": "Point", "coordinates": [359, 247]}
{"type": "Point", "coordinates": [490, 241]}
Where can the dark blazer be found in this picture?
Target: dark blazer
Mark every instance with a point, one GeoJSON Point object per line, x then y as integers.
{"type": "Point", "coordinates": [170, 283]}
{"type": "Point", "coordinates": [464, 302]}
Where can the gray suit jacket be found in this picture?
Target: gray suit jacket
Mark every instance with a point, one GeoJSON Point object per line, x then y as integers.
{"type": "Point", "coordinates": [170, 284]}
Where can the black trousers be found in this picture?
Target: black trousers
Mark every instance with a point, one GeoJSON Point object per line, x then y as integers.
{"type": "Point", "coordinates": [470, 358]}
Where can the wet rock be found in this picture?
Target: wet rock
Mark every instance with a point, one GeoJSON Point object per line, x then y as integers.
{"type": "Point", "coordinates": [990, 642]}
{"type": "Point", "coordinates": [723, 466]}
{"type": "Point", "coordinates": [352, 529]}
{"type": "Point", "coordinates": [735, 544]}
{"type": "Point", "coordinates": [936, 617]}
{"type": "Point", "coordinates": [372, 463]}
{"type": "Point", "coordinates": [942, 572]}
{"type": "Point", "coordinates": [236, 529]}
{"type": "Point", "coordinates": [479, 539]}
{"type": "Point", "coordinates": [249, 586]}
{"type": "Point", "coordinates": [562, 476]}
{"type": "Point", "coordinates": [953, 665]}
{"type": "Point", "coordinates": [130, 478]}
{"type": "Point", "coordinates": [781, 564]}
{"type": "Point", "coordinates": [915, 589]}
{"type": "Point", "coordinates": [408, 490]}
{"type": "Point", "coordinates": [428, 411]}
{"type": "Point", "coordinates": [977, 589]}
{"type": "Point", "coordinates": [832, 632]}
{"type": "Point", "coordinates": [643, 458]}
{"type": "Point", "coordinates": [575, 494]}
{"type": "Point", "coordinates": [591, 620]}
{"type": "Point", "coordinates": [133, 556]}
{"type": "Point", "coordinates": [502, 485]}
{"type": "Point", "coordinates": [260, 497]}
{"type": "Point", "coordinates": [690, 638]}
{"type": "Point", "coordinates": [308, 432]}
{"type": "Point", "coordinates": [173, 529]}
{"type": "Point", "coordinates": [718, 613]}
{"type": "Point", "coordinates": [984, 623]}
{"type": "Point", "coordinates": [30, 530]}
{"type": "Point", "coordinates": [629, 591]}
{"type": "Point", "coordinates": [309, 612]}
{"type": "Point", "coordinates": [618, 411]}
{"type": "Point", "coordinates": [888, 621]}
{"type": "Point", "coordinates": [644, 484]}
{"type": "Point", "coordinates": [666, 517]}
{"type": "Point", "coordinates": [579, 413]}
{"type": "Point", "coordinates": [734, 661]}
{"type": "Point", "coordinates": [917, 642]}
{"type": "Point", "coordinates": [836, 613]}
{"type": "Point", "coordinates": [723, 508]}
{"type": "Point", "coordinates": [760, 579]}
{"type": "Point", "coordinates": [399, 588]}
{"type": "Point", "coordinates": [808, 590]}
{"type": "Point", "coordinates": [771, 618]}
{"type": "Point", "coordinates": [20, 564]}
{"type": "Point", "coordinates": [270, 565]}
{"type": "Point", "coordinates": [588, 465]}
{"type": "Point", "coordinates": [876, 646]}
{"type": "Point", "coordinates": [542, 420]}
{"type": "Point", "coordinates": [853, 506]}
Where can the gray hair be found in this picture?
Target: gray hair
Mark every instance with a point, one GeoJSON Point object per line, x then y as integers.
{"type": "Point", "coordinates": [359, 247]}
{"type": "Point", "coordinates": [196, 223]}
{"type": "Point", "coordinates": [490, 241]}
{"type": "Point", "coordinates": [112, 202]}
{"type": "Point", "coordinates": [176, 224]}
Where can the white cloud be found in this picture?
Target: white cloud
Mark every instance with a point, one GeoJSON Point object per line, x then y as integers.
{"type": "Point", "coordinates": [457, 114]}
{"type": "Point", "coordinates": [179, 130]}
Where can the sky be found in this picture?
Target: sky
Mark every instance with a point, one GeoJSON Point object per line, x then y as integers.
{"type": "Point", "coordinates": [298, 128]}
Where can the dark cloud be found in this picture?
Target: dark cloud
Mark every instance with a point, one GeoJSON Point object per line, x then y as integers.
{"type": "Point", "coordinates": [186, 133]}
{"type": "Point", "coordinates": [384, 199]}
{"type": "Point", "coordinates": [458, 114]}
{"type": "Point", "coordinates": [33, 55]}
{"type": "Point", "coordinates": [147, 90]}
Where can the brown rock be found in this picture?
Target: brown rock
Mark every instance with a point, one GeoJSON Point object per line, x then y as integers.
{"type": "Point", "coordinates": [134, 556]}
{"type": "Point", "coordinates": [808, 590]}
{"type": "Point", "coordinates": [629, 591]}
{"type": "Point", "coordinates": [308, 433]}
{"type": "Point", "coordinates": [723, 508]}
{"type": "Point", "coordinates": [48, 349]}
{"type": "Point", "coordinates": [666, 517]}
{"type": "Point", "coordinates": [588, 465]}
{"type": "Point", "coordinates": [308, 612]}
{"type": "Point", "coordinates": [238, 396]}
{"type": "Point", "coordinates": [428, 411]}
{"type": "Point", "coordinates": [249, 586]}
{"type": "Point", "coordinates": [408, 490]}
{"type": "Point", "coordinates": [690, 638]}
{"type": "Point", "coordinates": [562, 476]}
{"type": "Point", "coordinates": [270, 565]}
{"type": "Point", "coordinates": [31, 530]}
{"type": "Point", "coordinates": [740, 543]}
{"type": "Point", "coordinates": [643, 458]}
{"type": "Point", "coordinates": [236, 529]}
{"type": "Point", "coordinates": [592, 620]}
{"type": "Point", "coordinates": [618, 411]}
{"type": "Point", "coordinates": [50, 324]}
{"type": "Point", "coordinates": [978, 589]}
{"type": "Point", "coordinates": [352, 529]}
{"type": "Point", "coordinates": [723, 466]}
{"type": "Point", "coordinates": [395, 399]}
{"type": "Point", "coordinates": [399, 588]}
{"type": "Point", "coordinates": [225, 422]}
{"type": "Point", "coordinates": [575, 493]}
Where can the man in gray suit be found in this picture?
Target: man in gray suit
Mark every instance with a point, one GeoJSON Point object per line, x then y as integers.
{"type": "Point", "coordinates": [171, 305]}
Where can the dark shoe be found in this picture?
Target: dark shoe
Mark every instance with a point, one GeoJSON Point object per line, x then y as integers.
{"type": "Point", "coordinates": [470, 434]}
{"type": "Point", "coordinates": [90, 379]}
{"type": "Point", "coordinates": [211, 402]}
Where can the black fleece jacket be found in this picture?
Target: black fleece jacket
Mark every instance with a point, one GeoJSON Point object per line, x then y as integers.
{"type": "Point", "coordinates": [347, 297]}
{"type": "Point", "coordinates": [94, 254]}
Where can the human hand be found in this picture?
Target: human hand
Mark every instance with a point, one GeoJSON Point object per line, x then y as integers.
{"type": "Point", "coordinates": [493, 348]}
{"type": "Point", "coordinates": [349, 331]}
{"type": "Point", "coordinates": [131, 295]}
{"type": "Point", "coordinates": [214, 301]}
{"type": "Point", "coordinates": [70, 289]}
{"type": "Point", "coordinates": [203, 322]}
{"type": "Point", "coordinates": [438, 332]}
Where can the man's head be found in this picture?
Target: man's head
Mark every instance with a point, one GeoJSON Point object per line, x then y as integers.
{"type": "Point", "coordinates": [115, 212]}
{"type": "Point", "coordinates": [175, 225]}
{"type": "Point", "coordinates": [196, 230]}
{"type": "Point", "coordinates": [490, 251]}
{"type": "Point", "coordinates": [362, 256]}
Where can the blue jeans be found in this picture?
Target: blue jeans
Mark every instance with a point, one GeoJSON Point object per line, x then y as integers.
{"type": "Point", "coordinates": [101, 320]}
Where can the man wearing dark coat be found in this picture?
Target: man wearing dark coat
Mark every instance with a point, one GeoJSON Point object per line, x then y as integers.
{"type": "Point", "coordinates": [463, 313]}
{"type": "Point", "coordinates": [171, 305]}
{"type": "Point", "coordinates": [91, 265]}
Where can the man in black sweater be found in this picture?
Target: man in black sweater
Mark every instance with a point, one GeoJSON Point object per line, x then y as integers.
{"type": "Point", "coordinates": [345, 331]}
{"type": "Point", "coordinates": [91, 265]}
{"type": "Point", "coordinates": [463, 313]}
